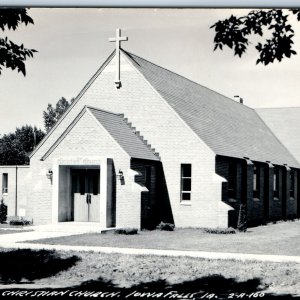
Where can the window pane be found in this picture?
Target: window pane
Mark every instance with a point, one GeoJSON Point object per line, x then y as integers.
{"type": "Point", "coordinates": [186, 196]}
{"type": "Point", "coordinates": [254, 182]}
{"type": "Point", "coordinates": [274, 181]}
{"type": "Point", "coordinates": [186, 170]}
{"type": "Point", "coordinates": [292, 181]}
{"type": "Point", "coordinates": [186, 184]}
{"type": "Point", "coordinates": [96, 183]}
{"type": "Point", "coordinates": [4, 183]}
{"type": "Point", "coordinates": [256, 179]}
{"type": "Point", "coordinates": [82, 183]}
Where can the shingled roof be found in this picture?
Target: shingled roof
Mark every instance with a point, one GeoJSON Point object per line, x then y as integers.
{"type": "Point", "coordinates": [226, 126]}
{"type": "Point", "coordinates": [123, 134]}
{"type": "Point", "coordinates": [119, 129]}
{"type": "Point", "coordinates": [285, 123]}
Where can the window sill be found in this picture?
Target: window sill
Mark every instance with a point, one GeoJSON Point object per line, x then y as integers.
{"type": "Point", "coordinates": [256, 199]}
{"type": "Point", "coordinates": [275, 199]}
{"type": "Point", "coordinates": [186, 203]}
{"type": "Point", "coordinates": [5, 194]}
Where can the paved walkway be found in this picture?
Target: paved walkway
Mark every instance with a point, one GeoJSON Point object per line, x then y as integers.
{"type": "Point", "coordinates": [17, 240]}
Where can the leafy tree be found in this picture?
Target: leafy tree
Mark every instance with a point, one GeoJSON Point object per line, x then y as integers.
{"type": "Point", "coordinates": [12, 55]}
{"type": "Point", "coordinates": [15, 147]}
{"type": "Point", "coordinates": [52, 115]}
{"type": "Point", "coordinates": [28, 137]}
{"type": "Point", "coordinates": [235, 33]}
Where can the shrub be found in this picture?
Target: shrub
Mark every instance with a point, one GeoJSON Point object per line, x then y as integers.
{"type": "Point", "coordinates": [20, 222]}
{"type": "Point", "coordinates": [165, 226]}
{"type": "Point", "coordinates": [3, 211]}
{"type": "Point", "coordinates": [127, 231]}
{"type": "Point", "coordinates": [220, 230]}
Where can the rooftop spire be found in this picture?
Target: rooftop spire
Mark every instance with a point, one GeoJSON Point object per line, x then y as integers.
{"type": "Point", "coordinates": [118, 40]}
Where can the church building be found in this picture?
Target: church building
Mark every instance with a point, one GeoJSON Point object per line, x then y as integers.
{"type": "Point", "coordinates": [141, 144]}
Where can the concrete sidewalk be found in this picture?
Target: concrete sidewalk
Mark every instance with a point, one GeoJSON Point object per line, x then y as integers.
{"type": "Point", "coordinates": [16, 240]}
{"type": "Point", "coordinates": [48, 231]}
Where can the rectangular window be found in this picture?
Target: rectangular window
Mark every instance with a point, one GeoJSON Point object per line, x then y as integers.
{"type": "Point", "coordinates": [292, 184]}
{"type": "Point", "coordinates": [256, 181]}
{"type": "Point", "coordinates": [4, 183]}
{"type": "Point", "coordinates": [276, 182]}
{"type": "Point", "coordinates": [186, 182]}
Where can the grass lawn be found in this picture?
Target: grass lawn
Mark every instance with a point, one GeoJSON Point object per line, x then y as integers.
{"type": "Point", "coordinates": [100, 271]}
{"type": "Point", "coordinates": [279, 239]}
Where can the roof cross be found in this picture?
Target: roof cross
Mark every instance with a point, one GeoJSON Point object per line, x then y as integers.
{"type": "Point", "coordinates": [118, 40]}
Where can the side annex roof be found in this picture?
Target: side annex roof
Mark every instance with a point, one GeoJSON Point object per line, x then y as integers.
{"type": "Point", "coordinates": [120, 131]}
{"type": "Point", "coordinates": [285, 123]}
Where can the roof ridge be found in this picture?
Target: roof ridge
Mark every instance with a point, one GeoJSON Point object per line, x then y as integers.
{"type": "Point", "coordinates": [190, 80]}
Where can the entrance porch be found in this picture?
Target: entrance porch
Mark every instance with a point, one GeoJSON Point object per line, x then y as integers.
{"type": "Point", "coordinates": [83, 193]}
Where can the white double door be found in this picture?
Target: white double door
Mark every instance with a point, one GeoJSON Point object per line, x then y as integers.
{"type": "Point", "coordinates": [86, 195]}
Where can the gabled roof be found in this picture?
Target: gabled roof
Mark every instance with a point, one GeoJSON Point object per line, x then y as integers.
{"type": "Point", "coordinates": [124, 135]}
{"type": "Point", "coordinates": [120, 131]}
{"type": "Point", "coordinates": [226, 126]}
{"type": "Point", "coordinates": [285, 124]}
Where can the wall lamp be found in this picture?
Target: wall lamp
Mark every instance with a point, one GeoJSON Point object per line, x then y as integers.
{"type": "Point", "coordinates": [120, 175]}
{"type": "Point", "coordinates": [50, 174]}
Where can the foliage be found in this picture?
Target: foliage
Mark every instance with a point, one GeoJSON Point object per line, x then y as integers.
{"type": "Point", "coordinates": [12, 55]}
{"type": "Point", "coordinates": [3, 211]}
{"type": "Point", "coordinates": [234, 32]}
{"type": "Point", "coordinates": [220, 230]}
{"type": "Point", "coordinates": [242, 219]}
{"type": "Point", "coordinates": [15, 147]}
{"type": "Point", "coordinates": [52, 115]}
{"type": "Point", "coordinates": [26, 266]}
{"type": "Point", "coordinates": [165, 226]}
{"type": "Point", "coordinates": [126, 231]}
{"type": "Point", "coordinates": [20, 222]}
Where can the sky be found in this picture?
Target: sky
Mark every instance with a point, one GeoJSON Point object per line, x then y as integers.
{"type": "Point", "coordinates": [72, 43]}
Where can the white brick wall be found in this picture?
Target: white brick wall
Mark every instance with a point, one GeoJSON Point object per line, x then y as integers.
{"type": "Point", "coordinates": [162, 127]}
